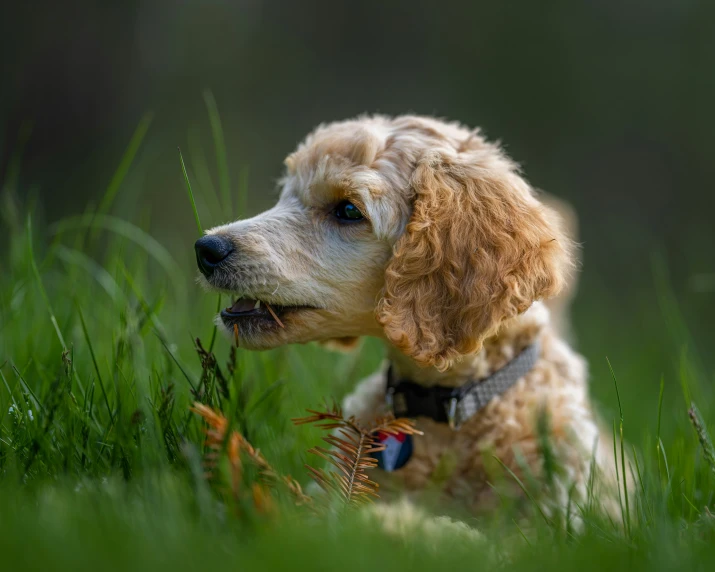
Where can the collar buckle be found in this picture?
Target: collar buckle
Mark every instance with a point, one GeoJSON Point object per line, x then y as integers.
{"type": "Point", "coordinates": [452, 414]}
{"type": "Point", "coordinates": [390, 398]}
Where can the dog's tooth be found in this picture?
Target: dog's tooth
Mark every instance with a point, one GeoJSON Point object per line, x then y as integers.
{"type": "Point", "coordinates": [258, 305]}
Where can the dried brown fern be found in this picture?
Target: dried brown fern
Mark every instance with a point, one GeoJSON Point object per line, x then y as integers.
{"type": "Point", "coordinates": [352, 445]}
{"type": "Point", "coordinates": [235, 445]}
{"type": "Point", "coordinates": [350, 452]}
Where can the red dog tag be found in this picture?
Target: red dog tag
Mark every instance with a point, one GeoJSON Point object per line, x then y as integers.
{"type": "Point", "coordinates": [398, 450]}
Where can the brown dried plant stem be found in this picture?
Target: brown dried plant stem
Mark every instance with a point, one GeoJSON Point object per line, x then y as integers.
{"type": "Point", "coordinates": [275, 316]}
{"type": "Point", "coordinates": [235, 445]}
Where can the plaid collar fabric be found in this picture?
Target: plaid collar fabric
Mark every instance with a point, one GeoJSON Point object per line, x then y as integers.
{"type": "Point", "coordinates": [454, 405]}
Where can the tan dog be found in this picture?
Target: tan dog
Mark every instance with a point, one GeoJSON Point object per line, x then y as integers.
{"type": "Point", "coordinates": [423, 234]}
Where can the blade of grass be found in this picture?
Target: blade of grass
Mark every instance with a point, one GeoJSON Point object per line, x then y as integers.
{"type": "Point", "coordinates": [220, 147]}
{"type": "Point", "coordinates": [618, 478]}
{"type": "Point", "coordinates": [513, 475]}
{"type": "Point", "coordinates": [265, 394]}
{"type": "Point", "coordinates": [128, 230]}
{"type": "Point", "coordinates": [623, 454]}
{"type": "Point", "coordinates": [196, 159]}
{"type": "Point", "coordinates": [703, 435]}
{"type": "Point", "coordinates": [642, 484]}
{"type": "Point", "coordinates": [242, 191]}
{"type": "Point", "coordinates": [75, 258]}
{"type": "Point", "coordinates": [684, 375]}
{"type": "Point", "coordinates": [692, 506]}
{"type": "Point", "coordinates": [191, 193]}
{"type": "Point", "coordinates": [2, 376]}
{"type": "Point", "coordinates": [521, 531]}
{"type": "Point", "coordinates": [659, 443]}
{"type": "Point", "coordinates": [201, 232]}
{"type": "Point", "coordinates": [149, 311]}
{"type": "Point", "coordinates": [126, 162]}
{"type": "Point", "coordinates": [618, 395]}
{"type": "Point", "coordinates": [591, 476]}
{"type": "Point", "coordinates": [38, 404]}
{"type": "Point", "coordinates": [665, 460]}
{"type": "Point", "coordinates": [176, 361]}
{"type": "Point", "coordinates": [41, 287]}
{"type": "Point", "coordinates": [215, 329]}
{"type": "Point", "coordinates": [94, 361]}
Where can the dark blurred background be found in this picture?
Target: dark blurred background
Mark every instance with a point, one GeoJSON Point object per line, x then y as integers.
{"type": "Point", "coordinates": [608, 104]}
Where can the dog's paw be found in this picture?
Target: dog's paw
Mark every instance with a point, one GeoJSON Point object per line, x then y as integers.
{"type": "Point", "coordinates": [405, 520]}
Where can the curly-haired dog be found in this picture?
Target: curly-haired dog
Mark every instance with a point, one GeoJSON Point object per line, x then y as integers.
{"type": "Point", "coordinates": [423, 234]}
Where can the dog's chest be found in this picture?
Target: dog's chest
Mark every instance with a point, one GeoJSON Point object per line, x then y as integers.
{"type": "Point", "coordinates": [431, 459]}
{"type": "Point", "coordinates": [462, 463]}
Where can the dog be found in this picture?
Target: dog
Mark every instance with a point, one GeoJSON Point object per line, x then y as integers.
{"type": "Point", "coordinates": [424, 234]}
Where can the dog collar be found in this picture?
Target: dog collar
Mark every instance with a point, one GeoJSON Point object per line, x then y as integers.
{"type": "Point", "coordinates": [454, 405]}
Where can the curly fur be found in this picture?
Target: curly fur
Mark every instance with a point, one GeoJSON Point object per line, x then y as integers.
{"type": "Point", "coordinates": [453, 267]}
{"type": "Point", "coordinates": [479, 249]}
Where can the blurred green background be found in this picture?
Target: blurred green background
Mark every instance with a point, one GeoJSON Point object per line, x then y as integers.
{"type": "Point", "coordinates": [606, 104]}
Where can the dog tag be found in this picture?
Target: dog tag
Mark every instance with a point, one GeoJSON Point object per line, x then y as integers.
{"type": "Point", "coordinates": [398, 450]}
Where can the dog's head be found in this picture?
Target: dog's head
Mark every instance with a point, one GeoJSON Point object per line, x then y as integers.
{"type": "Point", "coordinates": [411, 229]}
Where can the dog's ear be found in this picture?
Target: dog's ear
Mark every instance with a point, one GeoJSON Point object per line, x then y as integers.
{"type": "Point", "coordinates": [478, 250]}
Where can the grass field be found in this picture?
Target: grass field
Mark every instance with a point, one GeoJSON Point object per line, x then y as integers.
{"type": "Point", "coordinates": [100, 457]}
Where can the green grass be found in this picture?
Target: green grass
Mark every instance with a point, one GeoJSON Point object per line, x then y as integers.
{"type": "Point", "coordinates": [100, 458]}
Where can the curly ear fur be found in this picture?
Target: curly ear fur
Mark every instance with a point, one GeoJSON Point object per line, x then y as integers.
{"type": "Point", "coordinates": [478, 250]}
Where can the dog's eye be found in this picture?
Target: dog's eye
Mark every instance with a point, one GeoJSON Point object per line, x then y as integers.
{"type": "Point", "coordinates": [346, 211]}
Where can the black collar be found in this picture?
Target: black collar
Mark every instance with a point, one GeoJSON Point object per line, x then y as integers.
{"type": "Point", "coordinates": [454, 405]}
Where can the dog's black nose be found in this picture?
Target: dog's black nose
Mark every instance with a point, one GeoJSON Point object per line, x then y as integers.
{"type": "Point", "coordinates": [211, 251]}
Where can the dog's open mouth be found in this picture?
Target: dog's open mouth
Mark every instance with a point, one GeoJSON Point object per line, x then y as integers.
{"type": "Point", "coordinates": [250, 309]}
